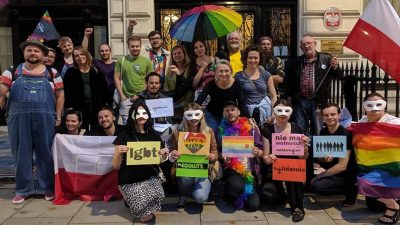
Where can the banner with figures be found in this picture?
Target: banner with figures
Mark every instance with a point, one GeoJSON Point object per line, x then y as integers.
{"type": "Point", "coordinates": [334, 145]}
{"type": "Point", "coordinates": [289, 170]}
{"type": "Point", "coordinates": [192, 166]}
{"type": "Point", "coordinates": [237, 146]}
{"type": "Point", "coordinates": [287, 144]}
{"type": "Point", "coordinates": [143, 153]}
{"type": "Point", "coordinates": [194, 143]}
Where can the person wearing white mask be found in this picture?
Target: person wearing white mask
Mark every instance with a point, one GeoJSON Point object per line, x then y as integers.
{"type": "Point", "coordinates": [199, 188]}
{"type": "Point", "coordinates": [139, 184]}
{"type": "Point", "coordinates": [374, 106]}
{"type": "Point", "coordinates": [272, 191]}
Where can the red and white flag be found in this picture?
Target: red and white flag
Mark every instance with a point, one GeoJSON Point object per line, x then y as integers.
{"type": "Point", "coordinates": [376, 36]}
{"type": "Point", "coordinates": [83, 169]}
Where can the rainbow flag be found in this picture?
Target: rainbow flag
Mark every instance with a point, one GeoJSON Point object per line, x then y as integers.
{"type": "Point", "coordinates": [45, 29]}
{"type": "Point", "coordinates": [377, 147]}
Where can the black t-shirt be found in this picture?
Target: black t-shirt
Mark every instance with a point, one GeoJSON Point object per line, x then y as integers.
{"type": "Point", "coordinates": [352, 164]}
{"type": "Point", "coordinates": [136, 173]}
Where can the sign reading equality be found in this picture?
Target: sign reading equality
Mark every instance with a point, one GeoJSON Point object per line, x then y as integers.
{"type": "Point", "coordinates": [192, 166]}
{"type": "Point", "coordinates": [143, 153]}
{"type": "Point", "coordinates": [161, 107]}
{"type": "Point", "coordinates": [237, 146]}
{"type": "Point", "coordinates": [287, 144]}
{"type": "Point", "coordinates": [289, 170]}
{"type": "Point", "coordinates": [194, 143]}
{"type": "Point", "coordinates": [329, 145]}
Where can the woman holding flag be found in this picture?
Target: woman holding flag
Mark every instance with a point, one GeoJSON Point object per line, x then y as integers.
{"type": "Point", "coordinates": [375, 140]}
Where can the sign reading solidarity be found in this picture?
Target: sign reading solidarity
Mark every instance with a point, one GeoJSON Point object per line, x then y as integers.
{"type": "Point", "coordinates": [289, 170]}
{"type": "Point", "coordinates": [194, 143]}
{"type": "Point", "coordinates": [143, 153]}
{"type": "Point", "coordinates": [329, 145]}
{"type": "Point", "coordinates": [237, 146]}
{"type": "Point", "coordinates": [287, 144]}
{"type": "Point", "coordinates": [192, 166]}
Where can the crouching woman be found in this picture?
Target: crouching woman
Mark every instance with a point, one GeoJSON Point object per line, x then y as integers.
{"type": "Point", "coordinates": [139, 184]}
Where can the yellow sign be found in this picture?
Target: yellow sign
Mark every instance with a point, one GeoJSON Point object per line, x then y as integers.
{"type": "Point", "coordinates": [194, 143]}
{"type": "Point", "coordinates": [333, 47]}
{"type": "Point", "coordinates": [143, 153]}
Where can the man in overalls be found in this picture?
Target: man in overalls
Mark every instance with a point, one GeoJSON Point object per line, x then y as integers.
{"type": "Point", "coordinates": [34, 108]}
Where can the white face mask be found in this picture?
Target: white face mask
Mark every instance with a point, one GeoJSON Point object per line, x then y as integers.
{"type": "Point", "coordinates": [377, 105]}
{"type": "Point", "coordinates": [283, 110]}
{"type": "Point", "coordinates": [193, 114]}
{"type": "Point", "coordinates": [141, 113]}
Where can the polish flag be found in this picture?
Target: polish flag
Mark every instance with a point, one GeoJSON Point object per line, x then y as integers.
{"type": "Point", "coordinates": [83, 170]}
{"type": "Point", "coordinates": [376, 36]}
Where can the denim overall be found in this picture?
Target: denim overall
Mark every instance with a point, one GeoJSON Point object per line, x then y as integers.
{"type": "Point", "coordinates": [31, 110]}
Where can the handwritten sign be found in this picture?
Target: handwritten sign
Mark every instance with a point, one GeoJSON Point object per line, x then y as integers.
{"type": "Point", "coordinates": [194, 143]}
{"type": "Point", "coordinates": [143, 153]}
{"type": "Point", "coordinates": [161, 107]}
{"type": "Point", "coordinates": [237, 146]}
{"type": "Point", "coordinates": [329, 145]}
{"type": "Point", "coordinates": [289, 170]}
{"type": "Point", "coordinates": [192, 166]}
{"type": "Point", "coordinates": [287, 144]}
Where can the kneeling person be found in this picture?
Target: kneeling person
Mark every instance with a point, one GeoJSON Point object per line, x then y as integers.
{"type": "Point", "coordinates": [106, 120]}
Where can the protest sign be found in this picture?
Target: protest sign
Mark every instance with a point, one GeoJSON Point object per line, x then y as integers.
{"type": "Point", "coordinates": [329, 145]}
{"type": "Point", "coordinates": [194, 143]}
{"type": "Point", "coordinates": [237, 146]}
{"type": "Point", "coordinates": [161, 107]}
{"type": "Point", "coordinates": [287, 144]}
{"type": "Point", "coordinates": [289, 170]}
{"type": "Point", "coordinates": [143, 153]}
{"type": "Point", "coordinates": [192, 166]}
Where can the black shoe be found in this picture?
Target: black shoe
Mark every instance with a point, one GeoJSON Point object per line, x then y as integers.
{"type": "Point", "coordinates": [394, 219]}
{"type": "Point", "coordinates": [297, 215]}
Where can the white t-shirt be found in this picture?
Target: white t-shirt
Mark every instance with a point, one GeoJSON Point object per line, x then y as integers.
{"type": "Point", "coordinates": [385, 119]}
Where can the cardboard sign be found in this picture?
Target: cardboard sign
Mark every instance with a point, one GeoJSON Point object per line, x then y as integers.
{"type": "Point", "coordinates": [289, 170]}
{"type": "Point", "coordinates": [192, 166]}
{"type": "Point", "coordinates": [161, 107]}
{"type": "Point", "coordinates": [323, 146]}
{"type": "Point", "coordinates": [237, 146]}
{"type": "Point", "coordinates": [194, 143]}
{"type": "Point", "coordinates": [143, 153]}
{"type": "Point", "coordinates": [287, 144]}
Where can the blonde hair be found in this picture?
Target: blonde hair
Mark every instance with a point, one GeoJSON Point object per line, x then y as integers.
{"type": "Point", "coordinates": [222, 62]}
{"type": "Point", "coordinates": [187, 58]}
{"type": "Point", "coordinates": [63, 40]}
{"type": "Point", "coordinates": [88, 63]}
{"type": "Point", "coordinates": [203, 127]}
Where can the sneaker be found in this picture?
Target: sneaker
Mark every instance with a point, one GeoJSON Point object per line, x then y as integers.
{"type": "Point", "coordinates": [180, 207]}
{"type": "Point", "coordinates": [49, 196]}
{"type": "Point", "coordinates": [18, 200]}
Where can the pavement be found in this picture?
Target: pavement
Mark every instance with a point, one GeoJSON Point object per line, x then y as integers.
{"type": "Point", "coordinates": [319, 210]}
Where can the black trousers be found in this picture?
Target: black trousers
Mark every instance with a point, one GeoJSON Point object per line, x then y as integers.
{"type": "Point", "coordinates": [332, 185]}
{"type": "Point", "coordinates": [272, 192]}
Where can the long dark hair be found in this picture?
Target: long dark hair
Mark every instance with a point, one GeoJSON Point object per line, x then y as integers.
{"type": "Point", "coordinates": [131, 123]}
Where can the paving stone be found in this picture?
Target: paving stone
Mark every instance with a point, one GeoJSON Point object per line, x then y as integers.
{"type": "Point", "coordinates": [309, 219]}
{"type": "Point", "coordinates": [168, 219]}
{"type": "Point", "coordinates": [357, 222]}
{"type": "Point", "coordinates": [236, 223]}
{"type": "Point", "coordinates": [36, 221]}
{"type": "Point", "coordinates": [356, 212]}
{"type": "Point", "coordinates": [43, 208]}
{"type": "Point", "coordinates": [7, 186]}
{"type": "Point", "coordinates": [169, 207]}
{"type": "Point", "coordinates": [8, 209]}
{"type": "Point", "coordinates": [103, 212]}
{"type": "Point", "coordinates": [7, 194]}
{"type": "Point", "coordinates": [310, 206]}
{"type": "Point", "coordinates": [225, 212]}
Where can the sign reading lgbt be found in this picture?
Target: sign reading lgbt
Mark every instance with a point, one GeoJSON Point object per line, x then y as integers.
{"type": "Point", "coordinates": [334, 146]}
{"type": "Point", "coordinates": [143, 153]}
{"type": "Point", "coordinates": [377, 147]}
{"type": "Point", "coordinates": [289, 170]}
{"type": "Point", "coordinates": [287, 144]}
{"type": "Point", "coordinates": [237, 146]}
{"type": "Point", "coordinates": [194, 147]}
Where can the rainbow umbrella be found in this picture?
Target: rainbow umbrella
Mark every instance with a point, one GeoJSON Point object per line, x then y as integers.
{"type": "Point", "coordinates": [205, 22]}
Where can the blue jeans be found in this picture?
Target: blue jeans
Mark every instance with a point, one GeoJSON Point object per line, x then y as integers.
{"type": "Point", "coordinates": [213, 122]}
{"type": "Point", "coordinates": [199, 188]}
{"type": "Point", "coordinates": [31, 130]}
{"type": "Point", "coordinates": [305, 116]}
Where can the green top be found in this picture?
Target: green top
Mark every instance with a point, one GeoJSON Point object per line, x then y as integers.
{"type": "Point", "coordinates": [86, 87]}
{"type": "Point", "coordinates": [134, 71]}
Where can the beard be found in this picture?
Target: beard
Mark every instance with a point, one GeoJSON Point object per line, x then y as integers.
{"type": "Point", "coordinates": [268, 55]}
{"type": "Point", "coordinates": [32, 60]}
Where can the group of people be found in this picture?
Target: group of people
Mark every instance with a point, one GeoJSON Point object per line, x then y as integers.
{"type": "Point", "coordinates": [234, 93]}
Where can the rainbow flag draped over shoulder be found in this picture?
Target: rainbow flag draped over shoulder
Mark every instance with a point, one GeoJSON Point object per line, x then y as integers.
{"type": "Point", "coordinates": [377, 147]}
{"type": "Point", "coordinates": [45, 29]}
